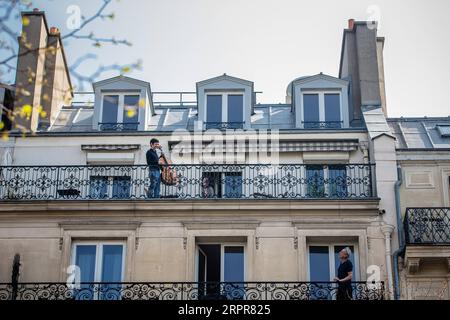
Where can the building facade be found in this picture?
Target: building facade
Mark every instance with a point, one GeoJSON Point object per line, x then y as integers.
{"type": "Point", "coordinates": [257, 203]}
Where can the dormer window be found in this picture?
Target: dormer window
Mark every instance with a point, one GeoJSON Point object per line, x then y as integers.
{"type": "Point", "coordinates": [224, 110]}
{"type": "Point", "coordinates": [122, 104]}
{"type": "Point", "coordinates": [322, 110]}
{"type": "Point", "coordinates": [225, 102]}
{"type": "Point", "coordinates": [120, 112]}
{"type": "Point", "coordinates": [320, 102]}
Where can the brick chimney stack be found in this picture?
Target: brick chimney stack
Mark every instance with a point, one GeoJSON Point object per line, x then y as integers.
{"type": "Point", "coordinates": [362, 64]}
{"type": "Point", "coordinates": [42, 78]}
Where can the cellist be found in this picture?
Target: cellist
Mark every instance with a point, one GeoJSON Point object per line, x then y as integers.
{"type": "Point", "coordinates": [154, 169]}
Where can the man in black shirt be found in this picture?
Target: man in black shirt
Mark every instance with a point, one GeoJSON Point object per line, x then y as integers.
{"type": "Point", "coordinates": [154, 169]}
{"type": "Point", "coordinates": [344, 276]}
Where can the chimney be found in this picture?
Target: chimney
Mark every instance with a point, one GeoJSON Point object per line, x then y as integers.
{"type": "Point", "coordinates": [42, 77]}
{"type": "Point", "coordinates": [362, 65]}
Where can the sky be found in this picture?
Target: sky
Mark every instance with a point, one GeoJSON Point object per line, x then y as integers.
{"type": "Point", "coordinates": [181, 42]}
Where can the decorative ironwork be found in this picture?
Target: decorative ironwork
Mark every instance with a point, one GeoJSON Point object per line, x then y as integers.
{"type": "Point", "coordinates": [190, 291]}
{"type": "Point", "coordinates": [285, 181]}
{"type": "Point", "coordinates": [322, 124]}
{"type": "Point", "coordinates": [427, 226]}
{"type": "Point", "coordinates": [224, 125]}
{"type": "Point", "coordinates": [125, 126]}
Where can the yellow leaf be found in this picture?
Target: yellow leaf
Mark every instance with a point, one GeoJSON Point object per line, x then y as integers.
{"type": "Point", "coordinates": [126, 69]}
{"type": "Point", "coordinates": [131, 112]}
{"type": "Point", "coordinates": [5, 136]}
{"type": "Point", "coordinates": [25, 21]}
{"type": "Point", "coordinates": [25, 111]}
{"type": "Point", "coordinates": [2, 125]}
{"type": "Point", "coordinates": [141, 103]}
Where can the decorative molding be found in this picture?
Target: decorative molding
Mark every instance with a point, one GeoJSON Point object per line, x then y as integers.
{"type": "Point", "coordinates": [296, 243]}
{"type": "Point", "coordinates": [99, 225]}
{"type": "Point", "coordinates": [61, 242]}
{"type": "Point", "coordinates": [184, 243]}
{"type": "Point", "coordinates": [136, 243]}
{"type": "Point", "coordinates": [257, 243]}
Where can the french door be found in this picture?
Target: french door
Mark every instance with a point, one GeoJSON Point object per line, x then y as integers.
{"type": "Point", "coordinates": [99, 262]}
{"type": "Point", "coordinates": [221, 271]}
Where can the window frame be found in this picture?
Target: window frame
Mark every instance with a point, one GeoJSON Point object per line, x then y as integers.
{"type": "Point", "coordinates": [224, 95]}
{"type": "Point", "coordinates": [222, 256]}
{"type": "Point", "coordinates": [331, 257]}
{"type": "Point", "coordinates": [99, 255]}
{"type": "Point", "coordinates": [110, 186]}
{"type": "Point", "coordinates": [121, 104]}
{"type": "Point", "coordinates": [326, 176]}
{"type": "Point", "coordinates": [321, 95]}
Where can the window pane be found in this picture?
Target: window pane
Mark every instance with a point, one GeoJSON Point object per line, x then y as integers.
{"type": "Point", "coordinates": [98, 187]}
{"type": "Point", "coordinates": [319, 263]}
{"type": "Point", "coordinates": [233, 272]}
{"type": "Point", "coordinates": [110, 109]}
{"type": "Point", "coordinates": [311, 110]}
{"type": "Point", "coordinates": [337, 181]}
{"type": "Point", "coordinates": [85, 260]}
{"type": "Point", "coordinates": [235, 111]}
{"type": "Point", "coordinates": [131, 112]}
{"type": "Point", "coordinates": [112, 263]}
{"type": "Point", "coordinates": [233, 185]}
{"type": "Point", "coordinates": [234, 264]}
{"type": "Point", "coordinates": [214, 108]}
{"type": "Point", "coordinates": [315, 181]}
{"type": "Point", "coordinates": [333, 110]}
{"type": "Point", "coordinates": [121, 187]}
{"type": "Point", "coordinates": [111, 272]}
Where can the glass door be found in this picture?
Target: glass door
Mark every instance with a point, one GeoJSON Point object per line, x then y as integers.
{"type": "Point", "coordinates": [101, 263]}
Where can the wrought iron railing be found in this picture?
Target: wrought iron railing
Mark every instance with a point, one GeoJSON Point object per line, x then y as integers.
{"type": "Point", "coordinates": [224, 125]}
{"type": "Point", "coordinates": [125, 126]}
{"type": "Point", "coordinates": [191, 291]}
{"type": "Point", "coordinates": [427, 226]}
{"type": "Point", "coordinates": [286, 181]}
{"type": "Point", "coordinates": [323, 124]}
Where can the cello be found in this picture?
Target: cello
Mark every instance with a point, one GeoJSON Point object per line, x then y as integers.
{"type": "Point", "coordinates": [168, 174]}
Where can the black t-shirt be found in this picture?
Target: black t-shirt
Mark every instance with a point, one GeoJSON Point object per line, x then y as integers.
{"type": "Point", "coordinates": [344, 269]}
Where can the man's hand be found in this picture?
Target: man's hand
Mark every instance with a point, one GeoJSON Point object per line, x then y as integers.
{"type": "Point", "coordinates": [336, 279]}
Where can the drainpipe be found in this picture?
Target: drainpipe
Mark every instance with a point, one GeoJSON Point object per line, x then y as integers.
{"type": "Point", "coordinates": [387, 231]}
{"type": "Point", "coordinates": [400, 233]}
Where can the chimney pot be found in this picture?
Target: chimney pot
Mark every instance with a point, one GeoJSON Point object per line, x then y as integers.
{"type": "Point", "coordinates": [36, 10]}
{"type": "Point", "coordinates": [351, 23]}
{"type": "Point", "coordinates": [54, 31]}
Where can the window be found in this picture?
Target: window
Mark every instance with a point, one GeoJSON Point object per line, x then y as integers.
{"type": "Point", "coordinates": [99, 262]}
{"type": "Point", "coordinates": [102, 187]}
{"type": "Point", "coordinates": [221, 263]}
{"type": "Point", "coordinates": [322, 110]}
{"type": "Point", "coordinates": [326, 181]}
{"type": "Point", "coordinates": [224, 111]}
{"type": "Point", "coordinates": [323, 261]}
{"type": "Point", "coordinates": [222, 185]}
{"type": "Point", "coordinates": [120, 112]}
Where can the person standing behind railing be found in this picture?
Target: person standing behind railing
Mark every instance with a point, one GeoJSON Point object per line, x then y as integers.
{"type": "Point", "coordinates": [154, 169]}
{"type": "Point", "coordinates": [344, 276]}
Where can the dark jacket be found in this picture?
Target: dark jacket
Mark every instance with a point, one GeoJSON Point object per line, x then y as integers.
{"type": "Point", "coordinates": [152, 159]}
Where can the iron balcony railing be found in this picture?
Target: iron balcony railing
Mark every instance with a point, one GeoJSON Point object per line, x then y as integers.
{"type": "Point", "coordinates": [430, 226]}
{"type": "Point", "coordinates": [192, 291]}
{"type": "Point", "coordinates": [196, 181]}
{"type": "Point", "coordinates": [323, 124]}
{"type": "Point", "coordinates": [224, 125]}
{"type": "Point", "coordinates": [125, 126]}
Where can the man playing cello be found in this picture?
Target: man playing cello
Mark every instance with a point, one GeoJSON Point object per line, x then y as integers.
{"type": "Point", "coordinates": [154, 169]}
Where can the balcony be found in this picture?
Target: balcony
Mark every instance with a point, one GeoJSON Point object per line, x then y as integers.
{"type": "Point", "coordinates": [427, 226]}
{"type": "Point", "coordinates": [196, 181]}
{"type": "Point", "coordinates": [189, 291]}
{"type": "Point", "coordinates": [323, 124]}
